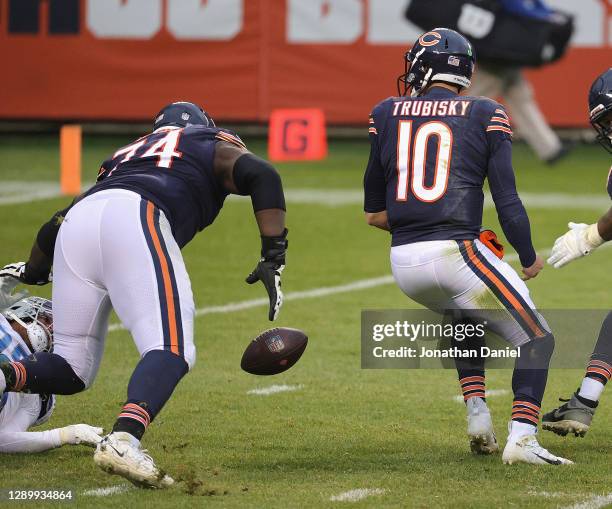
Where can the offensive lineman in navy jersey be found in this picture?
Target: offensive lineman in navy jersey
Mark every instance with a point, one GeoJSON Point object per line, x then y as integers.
{"type": "Point", "coordinates": [118, 247]}
{"type": "Point", "coordinates": [430, 155]}
{"type": "Point", "coordinates": [576, 415]}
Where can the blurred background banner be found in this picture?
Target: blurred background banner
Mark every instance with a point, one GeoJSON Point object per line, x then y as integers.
{"type": "Point", "coordinates": [123, 59]}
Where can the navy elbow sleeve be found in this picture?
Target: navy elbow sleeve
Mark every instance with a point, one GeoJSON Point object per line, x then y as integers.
{"type": "Point", "coordinates": [255, 177]}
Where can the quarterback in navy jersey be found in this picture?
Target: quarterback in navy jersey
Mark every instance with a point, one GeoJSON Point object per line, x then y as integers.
{"type": "Point", "coordinates": [431, 151]}
{"type": "Point", "coordinates": [118, 246]}
{"type": "Point", "coordinates": [576, 415]}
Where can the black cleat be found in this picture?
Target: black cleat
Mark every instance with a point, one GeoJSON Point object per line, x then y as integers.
{"type": "Point", "coordinates": [572, 417]}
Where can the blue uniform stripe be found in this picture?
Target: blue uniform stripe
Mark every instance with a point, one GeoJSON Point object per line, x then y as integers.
{"type": "Point", "coordinates": [175, 293]}
{"type": "Point", "coordinates": [531, 312]}
{"type": "Point", "coordinates": [496, 291]}
{"type": "Point", "coordinates": [158, 273]}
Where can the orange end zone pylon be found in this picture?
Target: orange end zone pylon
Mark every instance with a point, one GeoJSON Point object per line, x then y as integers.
{"type": "Point", "coordinates": [70, 159]}
{"type": "Point", "coordinates": [297, 135]}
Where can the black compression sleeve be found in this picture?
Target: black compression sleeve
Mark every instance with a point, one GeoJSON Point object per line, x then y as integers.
{"type": "Point", "coordinates": [255, 177]}
{"type": "Point", "coordinates": [48, 232]}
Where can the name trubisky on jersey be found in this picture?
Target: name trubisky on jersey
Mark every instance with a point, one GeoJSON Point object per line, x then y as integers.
{"type": "Point", "coordinates": [419, 108]}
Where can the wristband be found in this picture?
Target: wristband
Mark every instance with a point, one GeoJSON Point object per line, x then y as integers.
{"type": "Point", "coordinates": [274, 248]}
{"type": "Point", "coordinates": [592, 236]}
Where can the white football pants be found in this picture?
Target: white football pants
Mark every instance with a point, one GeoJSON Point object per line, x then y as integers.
{"type": "Point", "coordinates": [466, 275]}
{"type": "Point", "coordinates": [116, 250]}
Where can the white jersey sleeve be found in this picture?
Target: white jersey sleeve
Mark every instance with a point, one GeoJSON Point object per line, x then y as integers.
{"type": "Point", "coordinates": [20, 411]}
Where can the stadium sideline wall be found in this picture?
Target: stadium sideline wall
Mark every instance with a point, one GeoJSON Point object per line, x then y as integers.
{"type": "Point", "coordinates": [120, 60]}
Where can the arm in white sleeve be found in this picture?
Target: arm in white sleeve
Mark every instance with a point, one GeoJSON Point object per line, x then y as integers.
{"type": "Point", "coordinates": [14, 434]}
{"type": "Point", "coordinates": [29, 441]}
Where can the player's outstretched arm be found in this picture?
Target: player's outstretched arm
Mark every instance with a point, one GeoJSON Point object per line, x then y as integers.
{"type": "Point", "coordinates": [15, 437]}
{"type": "Point", "coordinates": [581, 240]}
{"type": "Point", "coordinates": [37, 270]}
{"type": "Point", "coordinates": [243, 173]}
{"type": "Point", "coordinates": [39, 441]}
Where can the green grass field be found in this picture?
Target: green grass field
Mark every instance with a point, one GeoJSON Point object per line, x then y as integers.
{"type": "Point", "coordinates": [344, 428]}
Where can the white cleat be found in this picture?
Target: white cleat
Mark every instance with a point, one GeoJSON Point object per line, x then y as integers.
{"type": "Point", "coordinates": [526, 449]}
{"type": "Point", "coordinates": [480, 427]}
{"type": "Point", "coordinates": [120, 453]}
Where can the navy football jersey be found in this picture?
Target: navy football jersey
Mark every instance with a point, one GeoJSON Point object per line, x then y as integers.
{"type": "Point", "coordinates": [172, 167]}
{"type": "Point", "coordinates": [610, 183]}
{"type": "Point", "coordinates": [434, 153]}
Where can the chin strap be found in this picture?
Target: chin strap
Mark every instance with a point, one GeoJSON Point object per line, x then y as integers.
{"type": "Point", "coordinates": [39, 336]}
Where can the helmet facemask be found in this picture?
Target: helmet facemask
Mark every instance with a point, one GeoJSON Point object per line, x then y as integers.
{"type": "Point", "coordinates": [35, 315]}
{"type": "Point", "coordinates": [416, 75]}
{"type": "Point", "coordinates": [602, 123]}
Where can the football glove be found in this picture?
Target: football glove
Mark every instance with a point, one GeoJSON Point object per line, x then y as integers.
{"type": "Point", "coordinates": [269, 270]}
{"type": "Point", "coordinates": [7, 297]}
{"type": "Point", "coordinates": [24, 274]}
{"type": "Point", "coordinates": [80, 434]}
{"type": "Point", "coordinates": [579, 241]}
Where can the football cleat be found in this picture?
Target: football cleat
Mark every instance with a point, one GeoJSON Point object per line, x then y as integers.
{"type": "Point", "coordinates": [572, 417]}
{"type": "Point", "coordinates": [120, 453]}
{"type": "Point", "coordinates": [480, 427]}
{"type": "Point", "coordinates": [526, 449]}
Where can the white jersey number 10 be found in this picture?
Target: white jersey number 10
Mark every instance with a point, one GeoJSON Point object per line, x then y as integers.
{"type": "Point", "coordinates": [415, 173]}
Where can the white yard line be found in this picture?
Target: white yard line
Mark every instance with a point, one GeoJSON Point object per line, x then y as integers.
{"type": "Point", "coordinates": [109, 490]}
{"type": "Point", "coordinates": [490, 394]}
{"type": "Point", "coordinates": [324, 291]}
{"type": "Point", "coordinates": [274, 389]}
{"type": "Point", "coordinates": [594, 502]}
{"type": "Point", "coordinates": [25, 192]}
{"type": "Point", "coordinates": [13, 192]}
{"type": "Point", "coordinates": [549, 494]}
{"type": "Point", "coordinates": [356, 495]}
{"type": "Point", "coordinates": [290, 296]}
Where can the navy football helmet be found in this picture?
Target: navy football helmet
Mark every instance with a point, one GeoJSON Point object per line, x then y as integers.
{"type": "Point", "coordinates": [600, 106]}
{"type": "Point", "coordinates": [182, 114]}
{"type": "Point", "coordinates": [439, 55]}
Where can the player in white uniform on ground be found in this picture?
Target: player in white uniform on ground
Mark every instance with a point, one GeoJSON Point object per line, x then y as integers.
{"type": "Point", "coordinates": [27, 327]}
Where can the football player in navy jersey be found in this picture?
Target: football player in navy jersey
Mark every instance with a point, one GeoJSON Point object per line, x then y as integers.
{"type": "Point", "coordinates": [576, 415]}
{"type": "Point", "coordinates": [431, 152]}
{"type": "Point", "coordinates": [118, 247]}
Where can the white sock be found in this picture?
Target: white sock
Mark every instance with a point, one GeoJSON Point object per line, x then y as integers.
{"type": "Point", "coordinates": [124, 435]}
{"type": "Point", "coordinates": [2, 382]}
{"type": "Point", "coordinates": [519, 430]}
{"type": "Point", "coordinates": [591, 389]}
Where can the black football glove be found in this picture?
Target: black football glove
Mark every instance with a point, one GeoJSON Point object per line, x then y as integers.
{"type": "Point", "coordinates": [26, 274]}
{"type": "Point", "coordinates": [269, 270]}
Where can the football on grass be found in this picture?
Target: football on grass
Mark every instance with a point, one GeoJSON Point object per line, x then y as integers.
{"type": "Point", "coordinates": [274, 351]}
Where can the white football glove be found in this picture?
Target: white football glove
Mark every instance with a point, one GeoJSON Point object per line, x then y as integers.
{"type": "Point", "coordinates": [579, 241]}
{"type": "Point", "coordinates": [7, 297]}
{"type": "Point", "coordinates": [13, 270]}
{"type": "Point", "coordinates": [80, 434]}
